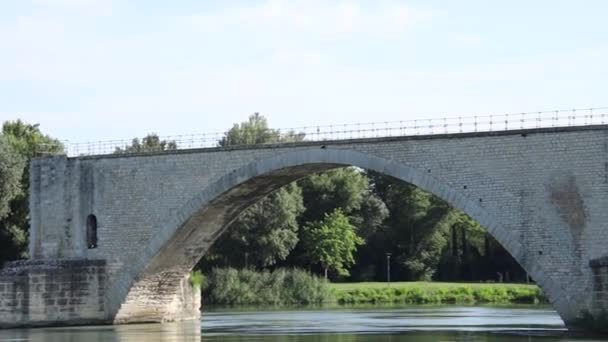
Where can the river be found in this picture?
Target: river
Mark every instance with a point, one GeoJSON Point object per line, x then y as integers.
{"type": "Point", "coordinates": [356, 324]}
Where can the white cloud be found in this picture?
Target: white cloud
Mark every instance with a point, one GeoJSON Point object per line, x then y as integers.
{"type": "Point", "coordinates": [327, 18]}
{"type": "Point", "coordinates": [75, 3]}
{"type": "Point", "coordinates": [79, 8]}
{"type": "Point", "coordinates": [61, 48]}
{"type": "Point", "coordinates": [298, 57]}
{"type": "Point", "coordinates": [299, 62]}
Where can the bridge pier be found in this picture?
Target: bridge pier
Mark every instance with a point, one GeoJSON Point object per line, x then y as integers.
{"type": "Point", "coordinates": [52, 292]}
{"type": "Point", "coordinates": [73, 292]}
{"type": "Point", "coordinates": [167, 298]}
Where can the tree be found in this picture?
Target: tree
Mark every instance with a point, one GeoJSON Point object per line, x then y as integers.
{"type": "Point", "coordinates": [370, 215]}
{"type": "Point", "coordinates": [415, 230]}
{"type": "Point", "coordinates": [343, 188]}
{"type": "Point", "coordinates": [346, 189]}
{"type": "Point", "coordinates": [27, 141]}
{"type": "Point", "coordinates": [256, 131]}
{"type": "Point", "coordinates": [150, 143]}
{"type": "Point", "coordinates": [332, 242]}
{"type": "Point", "coordinates": [263, 234]}
{"type": "Point", "coordinates": [473, 254]}
{"type": "Point", "coordinates": [266, 232]}
{"type": "Point", "coordinates": [11, 171]}
{"type": "Point", "coordinates": [253, 131]}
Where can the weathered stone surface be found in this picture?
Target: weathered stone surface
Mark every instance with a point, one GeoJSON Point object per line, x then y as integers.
{"type": "Point", "coordinates": [52, 292]}
{"type": "Point", "coordinates": [541, 193]}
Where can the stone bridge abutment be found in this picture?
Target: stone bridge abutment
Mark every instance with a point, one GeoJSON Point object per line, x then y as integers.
{"type": "Point", "coordinates": [541, 193]}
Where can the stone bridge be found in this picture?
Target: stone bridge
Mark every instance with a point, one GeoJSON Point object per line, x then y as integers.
{"type": "Point", "coordinates": [113, 237]}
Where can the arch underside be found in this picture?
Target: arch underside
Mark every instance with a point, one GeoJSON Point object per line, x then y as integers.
{"type": "Point", "coordinates": [162, 276]}
{"type": "Point", "coordinates": [178, 247]}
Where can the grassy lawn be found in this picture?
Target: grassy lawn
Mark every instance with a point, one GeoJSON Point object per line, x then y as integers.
{"type": "Point", "coordinates": [422, 284]}
{"type": "Point", "coordinates": [435, 293]}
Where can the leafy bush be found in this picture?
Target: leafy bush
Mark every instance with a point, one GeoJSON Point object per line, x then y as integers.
{"type": "Point", "coordinates": [228, 286]}
{"type": "Point", "coordinates": [196, 279]}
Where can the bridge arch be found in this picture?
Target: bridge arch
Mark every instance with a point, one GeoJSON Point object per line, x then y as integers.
{"type": "Point", "coordinates": [184, 238]}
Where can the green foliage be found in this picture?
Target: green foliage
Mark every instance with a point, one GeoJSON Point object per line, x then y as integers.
{"type": "Point", "coordinates": [436, 293]}
{"type": "Point", "coordinates": [150, 143]}
{"type": "Point", "coordinates": [266, 232]}
{"type": "Point", "coordinates": [332, 242]}
{"type": "Point", "coordinates": [229, 286]}
{"type": "Point", "coordinates": [346, 189]}
{"type": "Point", "coordinates": [263, 234]}
{"type": "Point", "coordinates": [343, 188]}
{"type": "Point", "coordinates": [20, 143]}
{"type": "Point", "coordinates": [11, 169]}
{"type": "Point", "coordinates": [472, 254]}
{"type": "Point", "coordinates": [370, 216]}
{"type": "Point", "coordinates": [196, 279]}
{"type": "Point", "coordinates": [28, 141]}
{"type": "Point", "coordinates": [475, 233]}
{"type": "Point", "coordinates": [415, 229]}
{"type": "Point", "coordinates": [256, 131]}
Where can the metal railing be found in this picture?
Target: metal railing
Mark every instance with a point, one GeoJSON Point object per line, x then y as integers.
{"type": "Point", "coordinates": [461, 124]}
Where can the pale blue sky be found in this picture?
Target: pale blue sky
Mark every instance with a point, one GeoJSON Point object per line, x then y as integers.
{"type": "Point", "coordinates": [104, 69]}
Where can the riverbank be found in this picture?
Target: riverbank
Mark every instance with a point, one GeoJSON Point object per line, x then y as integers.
{"type": "Point", "coordinates": [296, 287]}
{"type": "Point", "coordinates": [436, 293]}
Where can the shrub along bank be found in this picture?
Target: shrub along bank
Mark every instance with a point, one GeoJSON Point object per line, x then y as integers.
{"type": "Point", "coordinates": [228, 286]}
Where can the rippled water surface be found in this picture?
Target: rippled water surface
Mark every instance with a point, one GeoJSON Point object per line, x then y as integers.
{"type": "Point", "coordinates": [362, 324]}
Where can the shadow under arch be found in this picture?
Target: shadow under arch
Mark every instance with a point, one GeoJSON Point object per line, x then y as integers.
{"type": "Point", "coordinates": [180, 243]}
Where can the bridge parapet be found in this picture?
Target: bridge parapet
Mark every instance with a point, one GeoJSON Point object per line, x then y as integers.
{"type": "Point", "coordinates": [363, 130]}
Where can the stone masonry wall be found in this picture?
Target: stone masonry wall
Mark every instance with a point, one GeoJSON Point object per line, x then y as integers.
{"type": "Point", "coordinates": [52, 292]}
{"type": "Point", "coordinates": [183, 301]}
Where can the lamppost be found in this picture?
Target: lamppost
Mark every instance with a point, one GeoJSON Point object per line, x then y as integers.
{"type": "Point", "coordinates": [388, 269]}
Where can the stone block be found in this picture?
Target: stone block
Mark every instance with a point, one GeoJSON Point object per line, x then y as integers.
{"type": "Point", "coordinates": [45, 302]}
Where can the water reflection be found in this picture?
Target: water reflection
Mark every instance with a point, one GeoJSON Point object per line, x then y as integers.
{"type": "Point", "coordinates": [169, 332]}
{"type": "Point", "coordinates": [382, 320]}
{"type": "Point", "coordinates": [395, 324]}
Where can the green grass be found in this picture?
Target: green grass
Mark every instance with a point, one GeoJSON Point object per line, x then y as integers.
{"type": "Point", "coordinates": [436, 293]}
